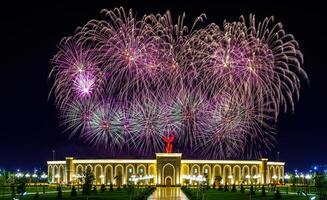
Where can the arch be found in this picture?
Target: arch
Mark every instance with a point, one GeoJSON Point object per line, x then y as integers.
{"type": "Point", "coordinates": [119, 172]}
{"type": "Point", "coordinates": [227, 171]}
{"type": "Point", "coordinates": [50, 173]}
{"type": "Point", "coordinates": [197, 171]}
{"type": "Point", "coordinates": [237, 174]}
{"type": "Point", "coordinates": [168, 170]}
{"type": "Point", "coordinates": [108, 171]}
{"type": "Point", "coordinates": [281, 173]}
{"type": "Point", "coordinates": [130, 166]}
{"type": "Point", "coordinates": [55, 170]}
{"type": "Point", "coordinates": [245, 173]}
{"type": "Point", "coordinates": [185, 169]}
{"type": "Point", "coordinates": [217, 173]}
{"type": "Point", "coordinates": [61, 173]}
{"type": "Point", "coordinates": [271, 173]}
{"type": "Point", "coordinates": [206, 171]}
{"type": "Point", "coordinates": [139, 171]}
{"type": "Point", "coordinates": [130, 170]}
{"type": "Point", "coordinates": [277, 173]}
{"type": "Point", "coordinates": [98, 172]}
{"type": "Point", "coordinates": [255, 172]}
{"type": "Point", "coordinates": [89, 167]}
{"type": "Point", "coordinates": [152, 169]}
{"type": "Point", "coordinates": [56, 174]}
{"type": "Point", "coordinates": [79, 170]}
{"type": "Point", "coordinates": [168, 181]}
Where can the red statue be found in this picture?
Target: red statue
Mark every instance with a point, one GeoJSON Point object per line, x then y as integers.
{"type": "Point", "coordinates": [168, 140]}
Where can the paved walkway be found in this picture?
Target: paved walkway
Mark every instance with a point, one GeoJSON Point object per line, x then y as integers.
{"type": "Point", "coordinates": [165, 193]}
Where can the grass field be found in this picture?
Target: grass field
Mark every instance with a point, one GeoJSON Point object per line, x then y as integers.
{"type": "Point", "coordinates": [52, 195]}
{"type": "Point", "coordinates": [215, 194]}
{"type": "Point", "coordinates": [115, 195]}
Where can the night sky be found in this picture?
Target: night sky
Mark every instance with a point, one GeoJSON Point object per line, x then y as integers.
{"type": "Point", "coordinates": [29, 120]}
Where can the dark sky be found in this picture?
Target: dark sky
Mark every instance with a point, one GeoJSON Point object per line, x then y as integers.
{"type": "Point", "coordinates": [29, 128]}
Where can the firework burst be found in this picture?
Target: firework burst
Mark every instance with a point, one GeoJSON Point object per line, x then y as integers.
{"type": "Point", "coordinates": [124, 81]}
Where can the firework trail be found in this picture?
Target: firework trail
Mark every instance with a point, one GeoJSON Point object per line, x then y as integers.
{"type": "Point", "coordinates": [125, 82]}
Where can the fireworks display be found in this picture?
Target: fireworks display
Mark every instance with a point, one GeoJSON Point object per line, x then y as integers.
{"type": "Point", "coordinates": [124, 83]}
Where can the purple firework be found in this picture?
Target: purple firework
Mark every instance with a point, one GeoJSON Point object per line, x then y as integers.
{"type": "Point", "coordinates": [220, 89]}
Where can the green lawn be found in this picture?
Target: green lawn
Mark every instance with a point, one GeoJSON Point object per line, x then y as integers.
{"type": "Point", "coordinates": [215, 194]}
{"type": "Point", "coordinates": [115, 195]}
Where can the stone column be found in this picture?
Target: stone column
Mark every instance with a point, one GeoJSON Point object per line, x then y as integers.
{"type": "Point", "coordinates": [70, 169]}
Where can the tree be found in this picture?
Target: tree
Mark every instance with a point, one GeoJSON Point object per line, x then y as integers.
{"type": "Point", "coordinates": [321, 185]}
{"type": "Point", "coordinates": [218, 179]}
{"type": "Point", "coordinates": [88, 180]}
{"type": "Point", "coordinates": [59, 195]}
{"type": "Point", "coordinates": [118, 179]}
{"type": "Point", "coordinates": [73, 193]}
{"type": "Point", "coordinates": [226, 188]}
{"type": "Point", "coordinates": [103, 188]}
{"type": "Point", "coordinates": [36, 196]}
{"type": "Point", "coordinates": [111, 188]}
{"type": "Point", "coordinates": [21, 187]}
{"type": "Point", "coordinates": [263, 191]}
{"type": "Point", "coordinates": [242, 188]}
{"type": "Point", "coordinates": [293, 179]}
{"type": "Point", "coordinates": [234, 188]}
{"type": "Point", "coordinates": [12, 190]}
{"type": "Point", "coordinates": [278, 195]}
{"type": "Point", "coordinates": [252, 192]}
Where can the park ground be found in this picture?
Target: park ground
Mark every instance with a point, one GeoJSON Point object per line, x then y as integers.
{"type": "Point", "coordinates": [165, 193]}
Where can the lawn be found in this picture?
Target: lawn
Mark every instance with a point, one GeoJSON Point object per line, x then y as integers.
{"type": "Point", "coordinates": [114, 195]}
{"type": "Point", "coordinates": [215, 194]}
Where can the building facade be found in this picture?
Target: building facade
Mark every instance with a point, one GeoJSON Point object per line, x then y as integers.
{"type": "Point", "coordinates": [167, 169]}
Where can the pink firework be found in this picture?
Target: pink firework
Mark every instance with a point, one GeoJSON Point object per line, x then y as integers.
{"type": "Point", "coordinates": [220, 89]}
